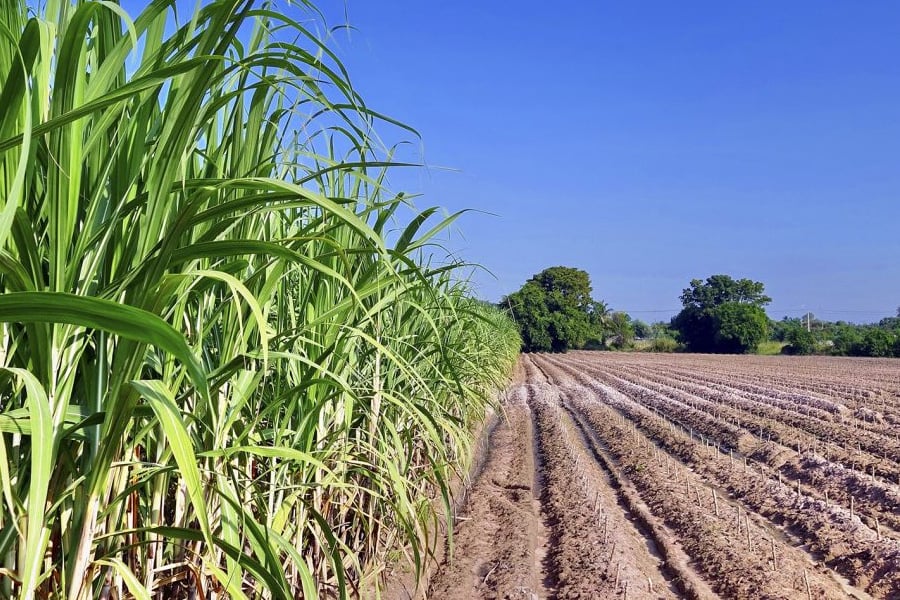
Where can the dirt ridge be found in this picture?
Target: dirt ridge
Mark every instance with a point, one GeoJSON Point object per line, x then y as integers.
{"type": "Point", "coordinates": [627, 476]}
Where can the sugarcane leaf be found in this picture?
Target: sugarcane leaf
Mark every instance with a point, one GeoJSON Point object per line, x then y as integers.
{"type": "Point", "coordinates": [97, 313]}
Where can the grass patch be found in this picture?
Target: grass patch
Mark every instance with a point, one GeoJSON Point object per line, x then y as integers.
{"type": "Point", "coordinates": [770, 348]}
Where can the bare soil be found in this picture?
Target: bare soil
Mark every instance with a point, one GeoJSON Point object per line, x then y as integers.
{"type": "Point", "coordinates": [617, 476]}
{"type": "Point", "coordinates": [543, 519]}
{"type": "Point", "coordinates": [494, 542]}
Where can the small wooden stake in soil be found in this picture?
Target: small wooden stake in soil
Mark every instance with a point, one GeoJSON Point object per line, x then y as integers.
{"type": "Point", "coordinates": [851, 507]}
{"type": "Point", "coordinates": [806, 581]}
{"type": "Point", "coordinates": [716, 502]}
{"type": "Point", "coordinates": [749, 541]}
{"type": "Point", "coordinates": [774, 559]}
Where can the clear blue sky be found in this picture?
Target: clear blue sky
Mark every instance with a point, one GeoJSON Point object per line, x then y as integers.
{"type": "Point", "coordinates": [653, 142]}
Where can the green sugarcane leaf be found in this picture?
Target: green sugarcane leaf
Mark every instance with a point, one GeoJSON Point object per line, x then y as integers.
{"type": "Point", "coordinates": [76, 418]}
{"type": "Point", "coordinates": [43, 450]}
{"type": "Point", "coordinates": [135, 587]}
{"type": "Point", "coordinates": [171, 420]}
{"type": "Point", "coordinates": [96, 313]}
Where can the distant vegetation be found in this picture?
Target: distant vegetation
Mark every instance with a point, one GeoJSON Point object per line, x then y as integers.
{"type": "Point", "coordinates": [722, 315]}
{"type": "Point", "coordinates": [810, 335]}
{"type": "Point", "coordinates": [555, 311]}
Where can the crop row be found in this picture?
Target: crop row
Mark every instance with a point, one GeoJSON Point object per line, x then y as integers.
{"type": "Point", "coordinates": [589, 548]}
{"type": "Point", "coordinates": [868, 384]}
{"type": "Point", "coordinates": [847, 545]}
{"type": "Point", "coordinates": [861, 553]}
{"type": "Point", "coordinates": [739, 555]}
{"type": "Point", "coordinates": [856, 415]}
{"type": "Point", "coordinates": [823, 478]}
{"type": "Point", "coordinates": [717, 414]}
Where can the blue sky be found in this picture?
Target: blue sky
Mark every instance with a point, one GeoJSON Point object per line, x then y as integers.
{"type": "Point", "coordinates": [653, 142]}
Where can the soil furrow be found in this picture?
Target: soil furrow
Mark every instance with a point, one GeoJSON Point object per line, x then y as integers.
{"type": "Point", "coordinates": [827, 481]}
{"type": "Point", "coordinates": [830, 533]}
{"type": "Point", "coordinates": [496, 535]}
{"type": "Point", "coordinates": [639, 476]}
{"type": "Point", "coordinates": [660, 541]}
{"type": "Point", "coordinates": [595, 552]}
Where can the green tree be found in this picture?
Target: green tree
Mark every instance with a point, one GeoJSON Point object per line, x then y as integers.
{"type": "Point", "coordinates": [599, 316]}
{"type": "Point", "coordinates": [719, 289]}
{"type": "Point", "coordinates": [566, 287]}
{"type": "Point", "coordinates": [875, 342]}
{"type": "Point", "coordinates": [641, 329]}
{"type": "Point", "coordinates": [661, 329]}
{"type": "Point", "coordinates": [621, 331]}
{"type": "Point", "coordinates": [555, 311]}
{"type": "Point", "coordinates": [890, 323]}
{"type": "Point", "coordinates": [529, 307]}
{"type": "Point", "coordinates": [800, 341]}
{"type": "Point", "coordinates": [722, 315]}
{"type": "Point", "coordinates": [845, 338]}
{"type": "Point", "coordinates": [696, 329]}
{"type": "Point", "coordinates": [739, 328]}
{"type": "Point", "coordinates": [780, 330]}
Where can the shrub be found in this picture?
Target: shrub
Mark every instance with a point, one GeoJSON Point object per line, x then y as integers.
{"type": "Point", "coordinates": [663, 344]}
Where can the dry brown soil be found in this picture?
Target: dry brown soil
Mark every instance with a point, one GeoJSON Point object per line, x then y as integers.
{"type": "Point", "coordinates": [592, 490]}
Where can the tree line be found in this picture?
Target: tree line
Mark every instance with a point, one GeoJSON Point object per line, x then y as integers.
{"type": "Point", "coordinates": [555, 312]}
{"type": "Point", "coordinates": [809, 335]}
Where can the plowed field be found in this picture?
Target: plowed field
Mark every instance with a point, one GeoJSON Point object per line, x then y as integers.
{"type": "Point", "coordinates": [620, 475]}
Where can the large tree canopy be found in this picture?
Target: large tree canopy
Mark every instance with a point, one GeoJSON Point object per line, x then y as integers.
{"type": "Point", "coordinates": [721, 289]}
{"type": "Point", "coordinates": [555, 311]}
{"type": "Point", "coordinates": [722, 315]}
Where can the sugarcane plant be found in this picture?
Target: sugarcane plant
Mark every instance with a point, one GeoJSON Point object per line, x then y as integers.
{"type": "Point", "coordinates": [229, 366]}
